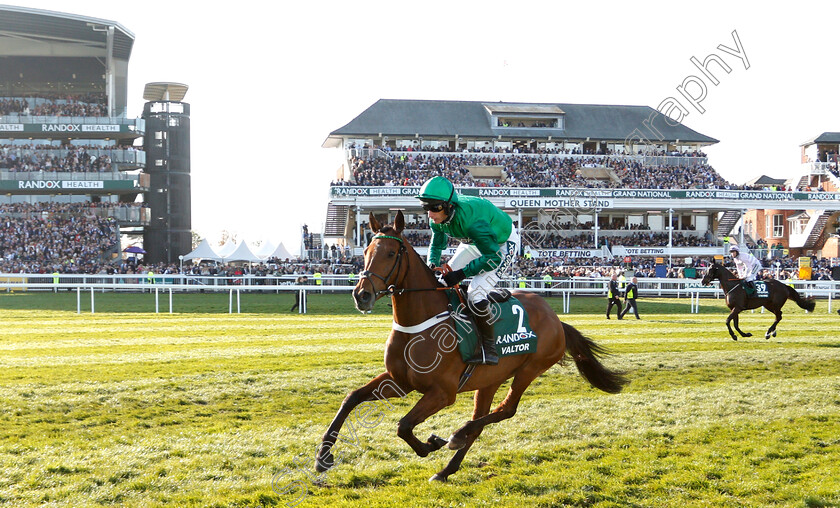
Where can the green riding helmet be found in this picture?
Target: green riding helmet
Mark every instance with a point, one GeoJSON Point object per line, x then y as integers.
{"type": "Point", "coordinates": [438, 189]}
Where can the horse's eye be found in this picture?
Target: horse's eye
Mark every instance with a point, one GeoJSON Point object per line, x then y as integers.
{"type": "Point", "coordinates": [391, 254]}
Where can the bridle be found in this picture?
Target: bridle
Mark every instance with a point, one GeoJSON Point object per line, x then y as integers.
{"type": "Point", "coordinates": [390, 289]}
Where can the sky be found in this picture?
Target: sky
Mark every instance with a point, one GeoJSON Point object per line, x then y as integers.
{"type": "Point", "coordinates": [270, 80]}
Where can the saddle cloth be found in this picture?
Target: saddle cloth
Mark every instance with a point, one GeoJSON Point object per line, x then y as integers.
{"type": "Point", "coordinates": [512, 329]}
{"type": "Point", "coordinates": [761, 289]}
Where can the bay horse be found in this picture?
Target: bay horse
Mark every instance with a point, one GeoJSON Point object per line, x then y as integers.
{"type": "Point", "coordinates": [737, 299]}
{"type": "Point", "coordinates": [418, 357]}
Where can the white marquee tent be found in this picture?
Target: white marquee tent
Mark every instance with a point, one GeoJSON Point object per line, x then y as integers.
{"type": "Point", "coordinates": [264, 251]}
{"type": "Point", "coordinates": [280, 253]}
{"type": "Point", "coordinates": [241, 253]}
{"type": "Point", "coordinates": [203, 251]}
{"type": "Point", "coordinates": [226, 249]}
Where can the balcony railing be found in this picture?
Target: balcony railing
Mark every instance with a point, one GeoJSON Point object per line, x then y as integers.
{"type": "Point", "coordinates": [136, 125]}
{"type": "Point", "coordinates": [67, 175]}
{"type": "Point", "coordinates": [819, 168]}
{"type": "Point", "coordinates": [116, 156]}
{"type": "Point", "coordinates": [87, 120]}
{"type": "Point", "coordinates": [648, 160]}
{"type": "Point", "coordinates": [139, 215]}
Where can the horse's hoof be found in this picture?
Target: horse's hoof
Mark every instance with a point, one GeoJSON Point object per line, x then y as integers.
{"type": "Point", "coordinates": [455, 443]}
{"type": "Point", "coordinates": [437, 477]}
{"type": "Point", "coordinates": [436, 442]}
{"type": "Point", "coordinates": [774, 333]}
{"type": "Point", "coordinates": [748, 335]}
{"type": "Point", "coordinates": [324, 463]}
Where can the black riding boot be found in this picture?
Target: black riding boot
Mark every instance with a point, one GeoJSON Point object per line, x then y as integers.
{"type": "Point", "coordinates": [484, 322]}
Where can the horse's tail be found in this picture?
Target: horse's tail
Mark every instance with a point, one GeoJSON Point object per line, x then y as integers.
{"type": "Point", "coordinates": [806, 303]}
{"type": "Point", "coordinates": [585, 352]}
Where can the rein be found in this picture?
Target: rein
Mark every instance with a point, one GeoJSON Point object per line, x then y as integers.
{"type": "Point", "coordinates": [737, 281]}
{"type": "Point", "coordinates": [391, 289]}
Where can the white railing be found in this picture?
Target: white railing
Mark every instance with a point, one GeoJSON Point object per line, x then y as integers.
{"type": "Point", "coordinates": [366, 153]}
{"type": "Point", "coordinates": [673, 160]}
{"type": "Point", "coordinates": [818, 168]}
{"type": "Point", "coordinates": [117, 119]}
{"type": "Point", "coordinates": [823, 169]}
{"type": "Point", "coordinates": [121, 213]}
{"type": "Point", "coordinates": [67, 175]}
{"type": "Point", "coordinates": [235, 285]}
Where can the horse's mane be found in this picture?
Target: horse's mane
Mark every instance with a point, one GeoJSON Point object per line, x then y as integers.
{"type": "Point", "coordinates": [723, 267]}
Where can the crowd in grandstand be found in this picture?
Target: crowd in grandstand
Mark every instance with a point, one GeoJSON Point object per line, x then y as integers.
{"type": "Point", "coordinates": [346, 268]}
{"type": "Point", "coordinates": [92, 104]}
{"type": "Point", "coordinates": [43, 238]}
{"type": "Point", "coordinates": [587, 240]}
{"type": "Point", "coordinates": [529, 171]}
{"type": "Point", "coordinates": [73, 159]}
{"type": "Point", "coordinates": [528, 268]}
{"type": "Point", "coordinates": [527, 149]}
{"type": "Point", "coordinates": [834, 171]}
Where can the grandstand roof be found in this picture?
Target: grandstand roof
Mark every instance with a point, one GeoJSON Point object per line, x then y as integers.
{"type": "Point", "coordinates": [767, 180]}
{"type": "Point", "coordinates": [473, 119]}
{"type": "Point", "coordinates": [35, 32]}
{"type": "Point", "coordinates": [825, 137]}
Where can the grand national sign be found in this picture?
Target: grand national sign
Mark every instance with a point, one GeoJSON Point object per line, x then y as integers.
{"type": "Point", "coordinates": [601, 198]}
{"type": "Point", "coordinates": [342, 191]}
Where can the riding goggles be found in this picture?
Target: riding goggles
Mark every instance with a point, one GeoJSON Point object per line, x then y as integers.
{"type": "Point", "coordinates": [433, 207]}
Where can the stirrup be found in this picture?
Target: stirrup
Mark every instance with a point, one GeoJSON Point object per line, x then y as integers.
{"type": "Point", "coordinates": [482, 358]}
{"type": "Point", "coordinates": [487, 355]}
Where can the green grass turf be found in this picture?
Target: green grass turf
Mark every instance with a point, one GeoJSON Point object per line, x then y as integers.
{"type": "Point", "coordinates": [126, 407]}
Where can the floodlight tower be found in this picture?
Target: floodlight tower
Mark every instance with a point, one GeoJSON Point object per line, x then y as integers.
{"type": "Point", "coordinates": [167, 146]}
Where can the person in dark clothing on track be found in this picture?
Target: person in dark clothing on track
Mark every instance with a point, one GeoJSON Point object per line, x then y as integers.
{"type": "Point", "coordinates": [630, 295]}
{"type": "Point", "coordinates": [613, 296]}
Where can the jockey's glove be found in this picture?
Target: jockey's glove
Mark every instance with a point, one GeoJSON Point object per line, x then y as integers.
{"type": "Point", "coordinates": [452, 278]}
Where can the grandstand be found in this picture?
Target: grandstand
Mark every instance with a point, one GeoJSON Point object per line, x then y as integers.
{"type": "Point", "coordinates": [70, 157]}
{"type": "Point", "coordinates": [577, 179]}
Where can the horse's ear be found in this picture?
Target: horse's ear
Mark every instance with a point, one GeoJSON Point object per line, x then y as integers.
{"type": "Point", "coordinates": [399, 222]}
{"type": "Point", "coordinates": [374, 224]}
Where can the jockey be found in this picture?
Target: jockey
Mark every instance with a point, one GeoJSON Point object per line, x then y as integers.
{"type": "Point", "coordinates": [489, 244]}
{"type": "Point", "coordinates": [747, 266]}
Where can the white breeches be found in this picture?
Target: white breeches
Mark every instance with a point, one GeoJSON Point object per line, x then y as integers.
{"type": "Point", "coordinates": [487, 280]}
